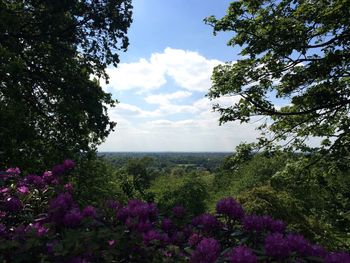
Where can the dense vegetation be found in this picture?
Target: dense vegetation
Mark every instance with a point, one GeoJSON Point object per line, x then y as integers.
{"type": "Point", "coordinates": [312, 200]}
{"type": "Point", "coordinates": [50, 107]}
{"type": "Point", "coordinates": [294, 72]}
{"type": "Point", "coordinates": [42, 222]}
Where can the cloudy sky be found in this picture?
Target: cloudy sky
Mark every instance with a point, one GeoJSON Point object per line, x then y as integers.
{"type": "Point", "coordinates": [163, 78]}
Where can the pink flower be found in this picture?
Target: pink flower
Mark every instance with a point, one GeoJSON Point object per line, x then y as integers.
{"type": "Point", "coordinates": [69, 164]}
{"type": "Point", "coordinates": [89, 211]}
{"type": "Point", "coordinates": [39, 229]}
{"type": "Point", "coordinates": [111, 242]}
{"type": "Point", "coordinates": [23, 189]}
{"type": "Point", "coordinates": [14, 170]}
{"type": "Point", "coordinates": [4, 190]}
{"type": "Point", "coordinates": [68, 187]}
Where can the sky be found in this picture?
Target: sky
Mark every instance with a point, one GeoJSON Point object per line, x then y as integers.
{"type": "Point", "coordinates": [162, 80]}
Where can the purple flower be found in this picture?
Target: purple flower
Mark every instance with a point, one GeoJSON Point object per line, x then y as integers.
{"type": "Point", "coordinates": [13, 170]}
{"type": "Point", "coordinates": [317, 251]}
{"type": "Point", "coordinates": [153, 235]}
{"type": "Point", "coordinates": [68, 164]}
{"type": "Point", "coordinates": [206, 222]}
{"type": "Point", "coordinates": [58, 169]}
{"type": "Point", "coordinates": [144, 226]}
{"type": "Point", "coordinates": [178, 238]}
{"type": "Point", "coordinates": [2, 230]}
{"type": "Point", "coordinates": [89, 211]}
{"type": "Point", "coordinates": [194, 239]}
{"type": "Point", "coordinates": [276, 246]}
{"type": "Point", "coordinates": [59, 206]}
{"type": "Point", "coordinates": [68, 187]}
{"type": "Point", "coordinates": [230, 207]}
{"type": "Point", "coordinates": [13, 204]}
{"type": "Point", "coordinates": [112, 204]}
{"type": "Point", "coordinates": [297, 243]}
{"type": "Point", "coordinates": [273, 225]}
{"type": "Point", "coordinates": [139, 210]}
{"type": "Point", "coordinates": [338, 257]}
{"type": "Point", "coordinates": [39, 229]}
{"type": "Point", "coordinates": [23, 190]}
{"type": "Point", "coordinates": [48, 177]}
{"type": "Point", "coordinates": [207, 251]}
{"type": "Point", "coordinates": [167, 225]}
{"type": "Point", "coordinates": [72, 218]}
{"type": "Point", "coordinates": [35, 180]}
{"type": "Point", "coordinates": [242, 254]}
{"type": "Point", "coordinates": [50, 246]}
{"type": "Point", "coordinates": [4, 190]}
{"type": "Point", "coordinates": [179, 211]}
{"type": "Point", "coordinates": [255, 223]}
{"type": "Point", "coordinates": [111, 242]}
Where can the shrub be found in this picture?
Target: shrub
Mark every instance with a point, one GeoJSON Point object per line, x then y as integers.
{"type": "Point", "coordinates": [42, 222]}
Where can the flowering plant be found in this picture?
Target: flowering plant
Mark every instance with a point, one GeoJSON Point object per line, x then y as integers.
{"type": "Point", "coordinates": [41, 222]}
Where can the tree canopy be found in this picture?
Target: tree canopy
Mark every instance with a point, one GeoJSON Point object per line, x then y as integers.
{"type": "Point", "coordinates": [294, 69]}
{"type": "Point", "coordinates": [50, 107]}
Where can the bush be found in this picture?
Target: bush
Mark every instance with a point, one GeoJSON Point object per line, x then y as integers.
{"type": "Point", "coordinates": [41, 222]}
{"type": "Point", "coordinates": [189, 191]}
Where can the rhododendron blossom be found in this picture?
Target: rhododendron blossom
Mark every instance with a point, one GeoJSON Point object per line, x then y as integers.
{"type": "Point", "coordinates": [40, 219]}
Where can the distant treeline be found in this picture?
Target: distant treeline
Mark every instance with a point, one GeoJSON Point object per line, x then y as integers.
{"type": "Point", "coordinates": [209, 161]}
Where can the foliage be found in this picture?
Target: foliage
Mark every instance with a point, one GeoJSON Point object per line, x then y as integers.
{"type": "Point", "coordinates": [60, 231]}
{"type": "Point", "coordinates": [163, 161]}
{"type": "Point", "coordinates": [323, 191]}
{"type": "Point", "coordinates": [239, 174]}
{"type": "Point", "coordinates": [50, 108]}
{"type": "Point", "coordinates": [189, 191]}
{"type": "Point", "coordinates": [311, 199]}
{"type": "Point", "coordinates": [281, 204]}
{"type": "Point", "coordinates": [295, 54]}
{"type": "Point", "coordinates": [243, 153]}
{"type": "Point", "coordinates": [95, 180]}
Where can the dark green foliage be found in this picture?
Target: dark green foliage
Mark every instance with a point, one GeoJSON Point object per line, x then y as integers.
{"type": "Point", "coordinates": [249, 172]}
{"type": "Point", "coordinates": [323, 191]}
{"type": "Point", "coordinates": [50, 109]}
{"type": "Point", "coordinates": [281, 204]}
{"type": "Point", "coordinates": [296, 55]}
{"type": "Point", "coordinates": [243, 153]}
{"type": "Point", "coordinates": [189, 191]}
{"type": "Point", "coordinates": [95, 181]}
{"type": "Point", "coordinates": [141, 173]}
{"type": "Point", "coordinates": [165, 161]}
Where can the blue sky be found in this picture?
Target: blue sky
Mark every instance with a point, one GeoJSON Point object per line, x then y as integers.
{"type": "Point", "coordinates": [162, 80]}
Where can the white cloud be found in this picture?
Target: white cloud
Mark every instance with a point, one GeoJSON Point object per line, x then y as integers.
{"type": "Point", "coordinates": [139, 75]}
{"type": "Point", "coordinates": [198, 134]}
{"type": "Point", "coordinates": [190, 70]}
{"type": "Point", "coordinates": [194, 128]}
{"type": "Point", "coordinates": [168, 105]}
{"type": "Point", "coordinates": [162, 99]}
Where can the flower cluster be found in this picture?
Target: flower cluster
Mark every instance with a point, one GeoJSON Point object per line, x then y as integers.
{"type": "Point", "coordinates": [255, 223]}
{"type": "Point", "coordinates": [230, 207]}
{"type": "Point", "coordinates": [40, 219]}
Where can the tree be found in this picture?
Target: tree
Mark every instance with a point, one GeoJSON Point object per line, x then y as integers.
{"type": "Point", "coordinates": [50, 108]}
{"type": "Point", "coordinates": [294, 70]}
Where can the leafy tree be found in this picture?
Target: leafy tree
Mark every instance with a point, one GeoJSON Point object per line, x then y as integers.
{"type": "Point", "coordinates": [50, 108]}
{"type": "Point", "coordinates": [188, 190]}
{"type": "Point", "coordinates": [295, 68]}
{"type": "Point", "coordinates": [141, 173]}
